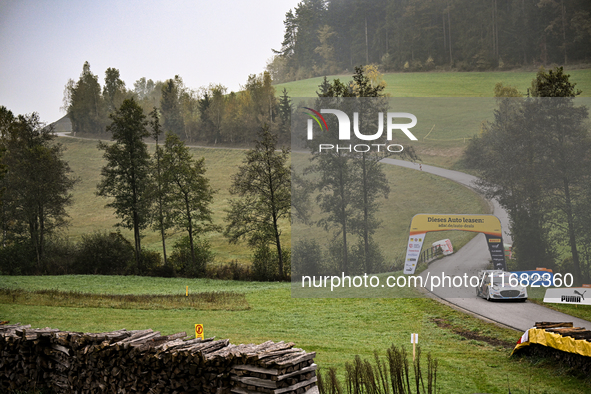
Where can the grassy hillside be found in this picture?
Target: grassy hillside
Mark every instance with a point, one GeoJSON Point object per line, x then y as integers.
{"type": "Point", "coordinates": [443, 84]}
{"type": "Point", "coordinates": [445, 125]}
{"type": "Point", "coordinates": [412, 192]}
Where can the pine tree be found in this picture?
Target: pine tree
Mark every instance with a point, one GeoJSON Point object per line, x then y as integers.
{"type": "Point", "coordinates": [171, 109]}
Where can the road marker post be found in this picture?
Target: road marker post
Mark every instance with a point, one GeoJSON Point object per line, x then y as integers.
{"type": "Point", "coordinates": [414, 339]}
{"type": "Point", "coordinates": [187, 292]}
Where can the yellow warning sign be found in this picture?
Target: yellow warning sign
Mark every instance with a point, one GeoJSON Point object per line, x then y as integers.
{"type": "Point", "coordinates": [199, 331]}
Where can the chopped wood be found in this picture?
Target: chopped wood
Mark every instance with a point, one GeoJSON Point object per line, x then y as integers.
{"type": "Point", "coordinates": [252, 368]}
{"type": "Point", "coordinates": [553, 324]}
{"type": "Point", "coordinates": [145, 361]}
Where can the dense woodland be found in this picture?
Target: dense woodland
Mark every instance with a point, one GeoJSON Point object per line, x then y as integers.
{"type": "Point", "coordinates": [324, 37]}
{"type": "Point", "coordinates": [209, 114]}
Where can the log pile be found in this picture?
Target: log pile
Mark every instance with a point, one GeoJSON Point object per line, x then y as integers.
{"type": "Point", "coordinates": [274, 368]}
{"type": "Point", "coordinates": [143, 361]}
{"type": "Point", "coordinates": [565, 329]}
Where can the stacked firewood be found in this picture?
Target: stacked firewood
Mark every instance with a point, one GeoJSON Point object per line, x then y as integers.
{"type": "Point", "coordinates": [140, 362]}
{"type": "Point", "coordinates": [275, 368]}
{"type": "Point", "coordinates": [565, 329]}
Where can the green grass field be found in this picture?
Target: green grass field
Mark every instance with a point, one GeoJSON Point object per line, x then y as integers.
{"type": "Point", "coordinates": [88, 212]}
{"type": "Point", "coordinates": [473, 355]}
{"type": "Point", "coordinates": [443, 84]}
{"type": "Point", "coordinates": [412, 192]}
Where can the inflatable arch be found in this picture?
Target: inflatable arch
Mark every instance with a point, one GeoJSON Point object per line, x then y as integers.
{"type": "Point", "coordinates": [424, 223]}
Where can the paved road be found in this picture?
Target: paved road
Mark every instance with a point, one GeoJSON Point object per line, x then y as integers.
{"type": "Point", "coordinates": [475, 256]}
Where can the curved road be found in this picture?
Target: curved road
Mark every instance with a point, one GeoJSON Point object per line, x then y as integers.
{"type": "Point", "coordinates": [474, 257]}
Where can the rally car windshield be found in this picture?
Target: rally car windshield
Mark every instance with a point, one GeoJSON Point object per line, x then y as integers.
{"type": "Point", "coordinates": [500, 281]}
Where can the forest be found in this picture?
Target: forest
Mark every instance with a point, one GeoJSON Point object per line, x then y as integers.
{"type": "Point", "coordinates": [325, 37]}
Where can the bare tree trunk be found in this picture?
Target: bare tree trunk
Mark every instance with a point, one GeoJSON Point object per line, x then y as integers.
{"type": "Point", "coordinates": [160, 203]}
{"type": "Point", "coordinates": [444, 33]}
{"type": "Point", "coordinates": [274, 215]}
{"type": "Point", "coordinates": [344, 224]}
{"type": "Point", "coordinates": [190, 230]}
{"type": "Point", "coordinates": [368, 267]}
{"type": "Point", "coordinates": [451, 60]}
{"type": "Point", "coordinates": [366, 44]}
{"type": "Point", "coordinates": [138, 242]}
{"type": "Point", "coordinates": [563, 9]}
{"type": "Point", "coordinates": [571, 232]}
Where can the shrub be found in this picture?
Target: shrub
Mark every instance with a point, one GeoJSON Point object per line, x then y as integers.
{"type": "Point", "coordinates": [180, 257]}
{"type": "Point", "coordinates": [17, 258]}
{"type": "Point", "coordinates": [59, 255]}
{"type": "Point", "coordinates": [307, 258]}
{"type": "Point", "coordinates": [230, 271]}
{"type": "Point", "coordinates": [375, 260]}
{"type": "Point", "coordinates": [264, 268]}
{"type": "Point", "coordinates": [103, 253]}
{"type": "Point", "coordinates": [151, 261]}
{"type": "Point", "coordinates": [265, 264]}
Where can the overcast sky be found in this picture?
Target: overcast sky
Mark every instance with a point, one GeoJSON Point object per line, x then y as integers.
{"type": "Point", "coordinates": [44, 43]}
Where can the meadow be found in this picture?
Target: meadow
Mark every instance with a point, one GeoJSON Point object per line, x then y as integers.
{"type": "Point", "coordinates": [473, 355]}
{"type": "Point", "coordinates": [450, 106]}
{"type": "Point", "coordinates": [412, 192]}
{"type": "Point", "coordinates": [443, 84]}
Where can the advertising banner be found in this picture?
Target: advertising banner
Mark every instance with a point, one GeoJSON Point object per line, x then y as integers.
{"type": "Point", "coordinates": [569, 295]}
{"type": "Point", "coordinates": [413, 252]}
{"type": "Point", "coordinates": [487, 224]}
{"type": "Point", "coordinates": [497, 252]}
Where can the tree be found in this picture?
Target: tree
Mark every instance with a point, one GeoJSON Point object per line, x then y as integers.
{"type": "Point", "coordinates": [84, 103]}
{"type": "Point", "coordinates": [126, 174]}
{"type": "Point", "coordinates": [264, 185]}
{"type": "Point", "coordinates": [567, 144]}
{"type": "Point", "coordinates": [508, 156]}
{"type": "Point", "coordinates": [6, 119]}
{"type": "Point", "coordinates": [170, 107]}
{"type": "Point", "coordinates": [36, 184]}
{"type": "Point", "coordinates": [285, 110]}
{"type": "Point", "coordinates": [554, 83]}
{"type": "Point", "coordinates": [421, 34]}
{"type": "Point", "coordinates": [161, 221]}
{"type": "Point", "coordinates": [534, 158]}
{"type": "Point", "coordinates": [350, 183]}
{"type": "Point", "coordinates": [189, 191]}
{"type": "Point", "coordinates": [114, 90]}
{"type": "Point", "coordinates": [326, 51]}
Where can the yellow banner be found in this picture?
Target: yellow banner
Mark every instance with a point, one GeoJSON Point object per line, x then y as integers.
{"type": "Point", "coordinates": [424, 223]}
{"type": "Point", "coordinates": [556, 341]}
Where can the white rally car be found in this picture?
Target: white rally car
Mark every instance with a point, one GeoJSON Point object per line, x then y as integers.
{"type": "Point", "coordinates": [497, 285]}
